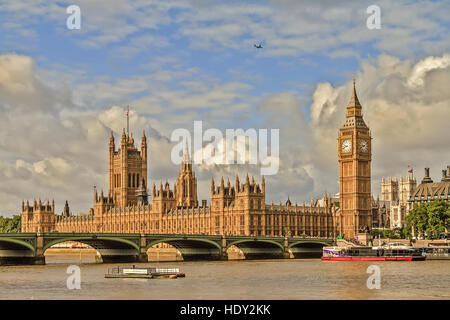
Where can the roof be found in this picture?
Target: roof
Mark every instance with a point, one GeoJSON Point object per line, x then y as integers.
{"type": "Point", "coordinates": [354, 101]}
{"type": "Point", "coordinates": [433, 190]}
{"type": "Point", "coordinates": [354, 118]}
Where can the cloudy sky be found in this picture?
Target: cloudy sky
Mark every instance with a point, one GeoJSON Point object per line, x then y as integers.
{"type": "Point", "coordinates": [175, 62]}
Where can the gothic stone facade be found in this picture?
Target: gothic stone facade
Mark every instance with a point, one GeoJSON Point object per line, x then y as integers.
{"type": "Point", "coordinates": [398, 197]}
{"type": "Point", "coordinates": [234, 210]}
{"type": "Point", "coordinates": [395, 195]}
{"type": "Point", "coordinates": [38, 217]}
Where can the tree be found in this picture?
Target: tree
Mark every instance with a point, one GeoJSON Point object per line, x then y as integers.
{"type": "Point", "coordinates": [430, 219]}
{"type": "Point", "coordinates": [417, 220]}
{"type": "Point", "coordinates": [8, 225]}
{"type": "Point", "coordinates": [406, 233]}
{"type": "Point", "coordinates": [375, 233]}
{"type": "Point", "coordinates": [437, 212]}
{"type": "Point", "coordinates": [398, 232]}
{"type": "Point", "coordinates": [388, 233]}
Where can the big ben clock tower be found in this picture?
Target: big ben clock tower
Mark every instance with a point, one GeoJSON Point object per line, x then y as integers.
{"type": "Point", "coordinates": [355, 155]}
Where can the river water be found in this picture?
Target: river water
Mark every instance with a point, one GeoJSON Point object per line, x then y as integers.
{"type": "Point", "coordinates": [261, 279]}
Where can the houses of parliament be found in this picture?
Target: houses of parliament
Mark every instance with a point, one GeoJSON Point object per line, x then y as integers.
{"type": "Point", "coordinates": [234, 209]}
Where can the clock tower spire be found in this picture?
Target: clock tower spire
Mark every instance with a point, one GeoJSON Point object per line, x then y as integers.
{"type": "Point", "coordinates": [354, 155]}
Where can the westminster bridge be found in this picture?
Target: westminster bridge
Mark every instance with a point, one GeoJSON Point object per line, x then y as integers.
{"type": "Point", "coordinates": [29, 248]}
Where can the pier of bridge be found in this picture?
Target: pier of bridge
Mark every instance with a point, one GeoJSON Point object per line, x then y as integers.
{"type": "Point", "coordinates": [29, 248]}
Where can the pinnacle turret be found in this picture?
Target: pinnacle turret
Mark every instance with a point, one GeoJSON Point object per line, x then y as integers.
{"type": "Point", "coordinates": [143, 140]}
{"type": "Point", "coordinates": [111, 138]}
{"type": "Point", "coordinates": [354, 101]}
{"type": "Point", "coordinates": [354, 111]}
{"type": "Point", "coordinates": [124, 137]}
{"type": "Point", "coordinates": [186, 156]}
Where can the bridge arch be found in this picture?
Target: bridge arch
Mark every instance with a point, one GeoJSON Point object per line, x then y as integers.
{"type": "Point", "coordinates": [111, 249]}
{"type": "Point", "coordinates": [14, 250]}
{"type": "Point", "coordinates": [191, 248]}
{"type": "Point", "coordinates": [236, 242]}
{"type": "Point", "coordinates": [253, 248]}
{"type": "Point", "coordinates": [307, 248]}
{"type": "Point", "coordinates": [90, 240]}
{"type": "Point", "coordinates": [176, 240]}
{"type": "Point", "coordinates": [18, 242]}
{"type": "Point", "coordinates": [318, 242]}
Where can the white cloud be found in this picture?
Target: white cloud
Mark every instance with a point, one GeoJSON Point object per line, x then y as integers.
{"type": "Point", "coordinates": [292, 28]}
{"type": "Point", "coordinates": [288, 28]}
{"type": "Point", "coordinates": [423, 67]}
{"type": "Point", "coordinates": [15, 74]}
{"type": "Point", "coordinates": [409, 124]}
{"type": "Point", "coordinates": [55, 148]}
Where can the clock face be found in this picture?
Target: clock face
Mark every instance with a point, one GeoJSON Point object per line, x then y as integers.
{"type": "Point", "coordinates": [363, 145]}
{"type": "Point", "coordinates": [346, 146]}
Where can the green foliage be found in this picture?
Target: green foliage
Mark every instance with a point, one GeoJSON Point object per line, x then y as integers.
{"type": "Point", "coordinates": [406, 233]}
{"type": "Point", "coordinates": [388, 233]}
{"type": "Point", "coordinates": [375, 232]}
{"type": "Point", "coordinates": [10, 224]}
{"type": "Point", "coordinates": [430, 219]}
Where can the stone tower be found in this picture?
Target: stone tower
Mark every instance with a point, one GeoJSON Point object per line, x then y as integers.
{"type": "Point", "coordinates": [407, 186]}
{"type": "Point", "coordinates": [163, 199]}
{"type": "Point", "coordinates": [66, 212]}
{"type": "Point", "coordinates": [186, 189]}
{"type": "Point", "coordinates": [40, 217]}
{"type": "Point", "coordinates": [389, 189]}
{"type": "Point", "coordinates": [246, 200]}
{"type": "Point", "coordinates": [250, 195]}
{"type": "Point", "coordinates": [127, 169]}
{"type": "Point", "coordinates": [354, 154]}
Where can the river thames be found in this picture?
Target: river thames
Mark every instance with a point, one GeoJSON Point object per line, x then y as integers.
{"type": "Point", "coordinates": [257, 279]}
